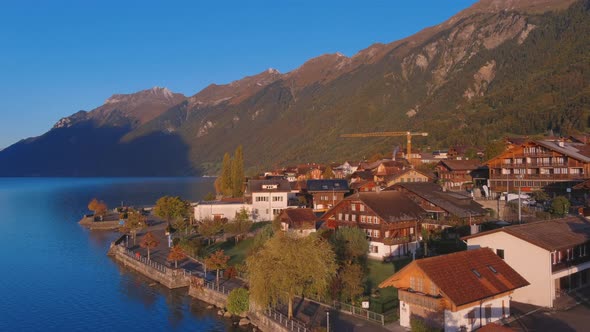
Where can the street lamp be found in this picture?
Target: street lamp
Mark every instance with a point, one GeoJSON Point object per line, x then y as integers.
{"type": "Point", "coordinates": [519, 177]}
{"type": "Point", "coordinates": [327, 320]}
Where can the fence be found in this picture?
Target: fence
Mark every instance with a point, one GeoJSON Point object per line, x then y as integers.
{"type": "Point", "coordinates": [213, 286]}
{"type": "Point", "coordinates": [146, 261]}
{"type": "Point", "coordinates": [360, 312]}
{"type": "Point", "coordinates": [290, 324]}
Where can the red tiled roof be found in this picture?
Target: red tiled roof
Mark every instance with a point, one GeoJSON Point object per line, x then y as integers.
{"type": "Point", "coordinates": [461, 165]}
{"type": "Point", "coordinates": [456, 275]}
{"type": "Point", "coordinates": [493, 327]}
{"type": "Point", "coordinates": [300, 218]}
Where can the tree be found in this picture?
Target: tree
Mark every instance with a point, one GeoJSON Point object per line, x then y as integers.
{"type": "Point", "coordinates": [350, 244]}
{"type": "Point", "coordinates": [225, 178]}
{"type": "Point", "coordinates": [173, 210]}
{"type": "Point", "coordinates": [560, 206]}
{"type": "Point", "coordinates": [208, 228]}
{"type": "Point", "coordinates": [260, 239]}
{"type": "Point", "coordinates": [209, 197]}
{"type": "Point", "coordinates": [328, 173]}
{"type": "Point", "coordinates": [176, 253]}
{"type": "Point", "coordinates": [240, 225]}
{"type": "Point", "coordinates": [540, 196]}
{"type": "Point", "coordinates": [149, 242]}
{"type": "Point", "coordinates": [135, 221]}
{"type": "Point", "coordinates": [351, 277]}
{"type": "Point", "coordinates": [287, 266]}
{"type": "Point", "coordinates": [98, 207]}
{"type": "Point", "coordinates": [494, 149]}
{"type": "Point", "coordinates": [238, 301]}
{"type": "Point", "coordinates": [237, 172]}
{"type": "Point", "coordinates": [217, 261]}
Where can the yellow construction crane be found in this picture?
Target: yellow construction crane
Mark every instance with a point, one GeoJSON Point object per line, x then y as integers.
{"type": "Point", "coordinates": [391, 134]}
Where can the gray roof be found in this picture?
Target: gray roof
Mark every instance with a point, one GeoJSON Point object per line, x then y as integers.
{"type": "Point", "coordinates": [457, 204]}
{"type": "Point", "coordinates": [391, 206]}
{"type": "Point", "coordinates": [577, 151]}
{"type": "Point", "coordinates": [337, 185]}
{"type": "Point", "coordinates": [256, 186]}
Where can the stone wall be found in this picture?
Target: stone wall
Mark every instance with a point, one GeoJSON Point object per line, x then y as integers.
{"type": "Point", "coordinates": [207, 295]}
{"type": "Point", "coordinates": [171, 278]}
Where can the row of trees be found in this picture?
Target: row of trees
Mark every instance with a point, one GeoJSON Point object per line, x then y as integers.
{"type": "Point", "coordinates": [231, 181]}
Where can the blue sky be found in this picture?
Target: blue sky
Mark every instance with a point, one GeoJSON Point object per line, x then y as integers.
{"type": "Point", "coordinates": [58, 57]}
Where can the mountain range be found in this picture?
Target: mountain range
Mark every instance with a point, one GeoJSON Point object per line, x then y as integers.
{"type": "Point", "coordinates": [499, 67]}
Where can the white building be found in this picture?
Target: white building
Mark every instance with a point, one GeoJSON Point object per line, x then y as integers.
{"type": "Point", "coordinates": [554, 256]}
{"type": "Point", "coordinates": [462, 291]}
{"type": "Point", "coordinates": [218, 210]}
{"type": "Point", "coordinates": [268, 197]}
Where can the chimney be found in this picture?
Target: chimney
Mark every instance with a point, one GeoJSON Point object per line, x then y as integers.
{"type": "Point", "coordinates": [561, 143]}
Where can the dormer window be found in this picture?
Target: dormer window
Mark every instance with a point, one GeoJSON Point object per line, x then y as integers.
{"type": "Point", "coordinates": [477, 274]}
{"type": "Point", "coordinates": [492, 269]}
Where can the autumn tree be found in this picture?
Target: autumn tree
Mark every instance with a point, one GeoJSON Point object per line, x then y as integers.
{"type": "Point", "coordinates": [351, 278]}
{"type": "Point", "coordinates": [217, 261]}
{"type": "Point", "coordinates": [237, 172]}
{"type": "Point", "coordinates": [560, 206]}
{"type": "Point", "coordinates": [174, 210]}
{"type": "Point", "coordinates": [328, 173]}
{"type": "Point", "coordinates": [135, 221]}
{"type": "Point", "coordinates": [288, 266]}
{"type": "Point", "coordinates": [176, 253]}
{"type": "Point", "coordinates": [240, 225]}
{"type": "Point", "coordinates": [225, 179]}
{"type": "Point", "coordinates": [149, 242]}
{"type": "Point", "coordinates": [209, 228]}
{"type": "Point", "coordinates": [98, 207]}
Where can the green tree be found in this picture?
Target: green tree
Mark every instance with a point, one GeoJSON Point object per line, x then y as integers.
{"type": "Point", "coordinates": [328, 173]}
{"type": "Point", "coordinates": [209, 228]}
{"type": "Point", "coordinates": [176, 253]}
{"type": "Point", "coordinates": [260, 239]}
{"type": "Point", "coordinates": [149, 242]}
{"type": "Point", "coordinates": [217, 261]}
{"type": "Point", "coordinates": [540, 196]}
{"type": "Point", "coordinates": [560, 206]}
{"type": "Point", "coordinates": [238, 301]}
{"type": "Point", "coordinates": [239, 226]}
{"type": "Point", "coordinates": [237, 172]}
{"type": "Point", "coordinates": [494, 149]}
{"type": "Point", "coordinates": [173, 210]}
{"type": "Point", "coordinates": [287, 266]}
{"type": "Point", "coordinates": [350, 244]}
{"type": "Point", "coordinates": [209, 197]}
{"type": "Point", "coordinates": [351, 277]}
{"type": "Point", "coordinates": [225, 178]}
{"type": "Point", "coordinates": [135, 221]}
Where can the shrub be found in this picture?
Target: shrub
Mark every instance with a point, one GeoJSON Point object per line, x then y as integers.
{"type": "Point", "coordinates": [238, 301]}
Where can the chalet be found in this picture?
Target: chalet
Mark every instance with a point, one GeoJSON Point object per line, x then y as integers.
{"type": "Point", "coordinates": [225, 209]}
{"type": "Point", "coordinates": [406, 175]}
{"type": "Point", "coordinates": [326, 193]}
{"type": "Point", "coordinates": [300, 222]}
{"type": "Point", "coordinates": [344, 170]}
{"type": "Point", "coordinates": [456, 174]}
{"type": "Point", "coordinates": [390, 219]}
{"type": "Point", "coordinates": [462, 291]}
{"type": "Point", "coordinates": [554, 256]}
{"type": "Point", "coordinates": [389, 168]}
{"type": "Point", "coordinates": [363, 186]}
{"type": "Point", "coordinates": [443, 208]}
{"type": "Point", "coordinates": [268, 197]}
{"type": "Point", "coordinates": [551, 165]}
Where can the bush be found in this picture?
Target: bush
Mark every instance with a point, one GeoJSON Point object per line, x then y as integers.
{"type": "Point", "coordinates": [560, 206]}
{"type": "Point", "coordinates": [418, 325]}
{"type": "Point", "coordinates": [238, 301]}
{"type": "Point", "coordinates": [191, 247]}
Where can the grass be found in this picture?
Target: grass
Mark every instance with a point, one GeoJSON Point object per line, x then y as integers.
{"type": "Point", "coordinates": [387, 301]}
{"type": "Point", "coordinates": [236, 252]}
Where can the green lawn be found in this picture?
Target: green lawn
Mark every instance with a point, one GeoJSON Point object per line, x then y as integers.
{"type": "Point", "coordinates": [236, 252]}
{"type": "Point", "coordinates": [387, 301]}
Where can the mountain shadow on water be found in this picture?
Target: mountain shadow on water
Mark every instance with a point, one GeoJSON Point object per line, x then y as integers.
{"type": "Point", "coordinates": [85, 150]}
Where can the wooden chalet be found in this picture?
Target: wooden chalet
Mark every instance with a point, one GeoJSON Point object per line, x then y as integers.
{"type": "Point", "coordinates": [390, 219]}
{"type": "Point", "coordinates": [443, 208]}
{"type": "Point", "coordinates": [456, 174]}
{"type": "Point", "coordinates": [550, 165]}
{"type": "Point", "coordinates": [326, 193]}
{"type": "Point", "coordinates": [461, 291]}
{"type": "Point", "coordinates": [300, 222]}
{"type": "Point", "coordinates": [406, 175]}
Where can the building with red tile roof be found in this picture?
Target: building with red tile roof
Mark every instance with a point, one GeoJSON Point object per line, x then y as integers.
{"type": "Point", "coordinates": [459, 291]}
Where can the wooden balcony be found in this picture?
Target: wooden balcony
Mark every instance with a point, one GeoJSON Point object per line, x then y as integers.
{"type": "Point", "coordinates": [568, 264]}
{"type": "Point", "coordinates": [421, 299]}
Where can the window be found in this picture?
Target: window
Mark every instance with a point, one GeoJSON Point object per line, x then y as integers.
{"type": "Point", "coordinates": [471, 317]}
{"type": "Point", "coordinates": [492, 269]}
{"type": "Point", "coordinates": [488, 312]}
{"type": "Point", "coordinates": [362, 207]}
{"type": "Point", "coordinates": [346, 217]}
{"type": "Point", "coordinates": [373, 249]}
{"type": "Point", "coordinates": [353, 217]}
{"type": "Point", "coordinates": [262, 199]}
{"type": "Point", "coordinates": [276, 211]}
{"type": "Point", "coordinates": [500, 253]}
{"type": "Point", "coordinates": [339, 216]}
{"type": "Point", "coordinates": [277, 198]}
{"type": "Point", "coordinates": [477, 274]}
{"type": "Point", "coordinates": [353, 207]}
{"type": "Point", "coordinates": [363, 218]}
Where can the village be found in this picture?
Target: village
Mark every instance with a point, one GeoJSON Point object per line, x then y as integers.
{"type": "Point", "coordinates": [416, 241]}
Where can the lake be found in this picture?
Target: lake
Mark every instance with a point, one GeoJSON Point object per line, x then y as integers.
{"type": "Point", "coordinates": [56, 275]}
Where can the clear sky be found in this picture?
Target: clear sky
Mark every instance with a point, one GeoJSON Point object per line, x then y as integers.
{"type": "Point", "coordinates": [58, 57]}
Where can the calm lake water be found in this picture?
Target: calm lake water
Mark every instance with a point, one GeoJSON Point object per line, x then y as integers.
{"type": "Point", "coordinates": [56, 275]}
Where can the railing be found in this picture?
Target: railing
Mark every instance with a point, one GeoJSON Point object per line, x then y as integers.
{"type": "Point", "coordinates": [214, 287]}
{"type": "Point", "coordinates": [121, 240]}
{"type": "Point", "coordinates": [360, 312]}
{"type": "Point", "coordinates": [422, 300]}
{"type": "Point", "coordinates": [144, 260]}
{"type": "Point", "coordinates": [566, 264]}
{"type": "Point", "coordinates": [290, 324]}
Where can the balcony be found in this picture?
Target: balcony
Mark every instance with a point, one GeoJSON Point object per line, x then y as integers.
{"type": "Point", "coordinates": [511, 177]}
{"type": "Point", "coordinates": [565, 264]}
{"type": "Point", "coordinates": [421, 299]}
